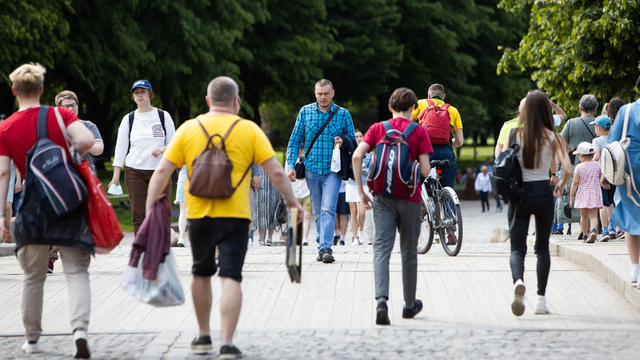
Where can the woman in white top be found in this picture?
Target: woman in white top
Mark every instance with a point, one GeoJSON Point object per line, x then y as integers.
{"type": "Point", "coordinates": [538, 142]}
{"type": "Point", "coordinates": [483, 186]}
{"type": "Point", "coordinates": [141, 144]}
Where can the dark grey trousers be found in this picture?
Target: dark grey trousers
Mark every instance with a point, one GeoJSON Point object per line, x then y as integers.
{"type": "Point", "coordinates": [390, 214]}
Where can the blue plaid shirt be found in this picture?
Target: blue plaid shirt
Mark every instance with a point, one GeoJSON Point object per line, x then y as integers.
{"type": "Point", "coordinates": [309, 121]}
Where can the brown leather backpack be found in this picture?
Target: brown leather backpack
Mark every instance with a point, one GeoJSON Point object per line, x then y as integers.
{"type": "Point", "coordinates": [211, 170]}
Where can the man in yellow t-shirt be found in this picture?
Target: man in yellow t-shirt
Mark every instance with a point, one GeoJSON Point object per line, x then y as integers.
{"type": "Point", "coordinates": [220, 222]}
{"type": "Point", "coordinates": [444, 152]}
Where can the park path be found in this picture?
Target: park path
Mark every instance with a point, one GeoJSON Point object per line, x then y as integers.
{"type": "Point", "coordinates": [467, 295]}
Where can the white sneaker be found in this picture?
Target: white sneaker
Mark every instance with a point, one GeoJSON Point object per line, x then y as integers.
{"type": "Point", "coordinates": [633, 273]}
{"type": "Point", "coordinates": [541, 305]}
{"type": "Point", "coordinates": [28, 348]}
{"type": "Point", "coordinates": [81, 345]}
{"type": "Point", "coordinates": [517, 307]}
{"type": "Point", "coordinates": [355, 242]}
{"type": "Point", "coordinates": [182, 242]}
{"type": "Point", "coordinates": [362, 236]}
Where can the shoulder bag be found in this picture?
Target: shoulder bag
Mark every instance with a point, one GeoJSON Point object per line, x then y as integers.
{"type": "Point", "coordinates": [300, 168]}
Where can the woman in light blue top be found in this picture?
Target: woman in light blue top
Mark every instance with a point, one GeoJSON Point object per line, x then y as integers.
{"type": "Point", "coordinates": [625, 213]}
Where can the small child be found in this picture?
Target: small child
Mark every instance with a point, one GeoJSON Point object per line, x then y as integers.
{"type": "Point", "coordinates": [588, 198]}
{"type": "Point", "coordinates": [483, 185]}
{"type": "Point", "coordinates": [602, 125]}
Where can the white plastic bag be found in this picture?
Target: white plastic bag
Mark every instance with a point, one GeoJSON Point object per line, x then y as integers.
{"type": "Point", "coordinates": [335, 159]}
{"type": "Point", "coordinates": [114, 190]}
{"type": "Point", "coordinates": [165, 290]}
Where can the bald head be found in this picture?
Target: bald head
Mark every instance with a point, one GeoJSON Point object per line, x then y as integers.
{"type": "Point", "coordinates": [222, 91]}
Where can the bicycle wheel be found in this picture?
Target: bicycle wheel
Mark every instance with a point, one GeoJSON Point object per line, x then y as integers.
{"type": "Point", "coordinates": [451, 232]}
{"type": "Point", "coordinates": [426, 236]}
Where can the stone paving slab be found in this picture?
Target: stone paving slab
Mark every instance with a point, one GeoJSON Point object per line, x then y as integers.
{"type": "Point", "coordinates": [382, 343]}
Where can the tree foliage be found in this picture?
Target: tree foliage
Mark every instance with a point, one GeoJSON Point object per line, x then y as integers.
{"type": "Point", "coordinates": [275, 49]}
{"type": "Point", "coordinates": [575, 47]}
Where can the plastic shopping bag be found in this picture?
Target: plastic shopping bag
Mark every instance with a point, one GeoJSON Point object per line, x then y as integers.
{"type": "Point", "coordinates": [335, 159]}
{"type": "Point", "coordinates": [165, 290]}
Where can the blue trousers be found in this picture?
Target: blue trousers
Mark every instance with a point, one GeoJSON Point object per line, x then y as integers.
{"type": "Point", "coordinates": [324, 191]}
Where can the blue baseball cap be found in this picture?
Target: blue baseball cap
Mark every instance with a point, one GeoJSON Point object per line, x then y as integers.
{"type": "Point", "coordinates": [143, 84]}
{"type": "Point", "coordinates": [602, 121]}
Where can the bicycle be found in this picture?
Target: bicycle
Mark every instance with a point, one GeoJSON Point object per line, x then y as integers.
{"type": "Point", "coordinates": [440, 213]}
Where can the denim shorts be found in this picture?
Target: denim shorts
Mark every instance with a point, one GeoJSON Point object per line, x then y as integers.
{"type": "Point", "coordinates": [230, 235]}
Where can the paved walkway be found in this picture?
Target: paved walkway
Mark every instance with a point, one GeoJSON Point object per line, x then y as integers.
{"type": "Point", "coordinates": [331, 313]}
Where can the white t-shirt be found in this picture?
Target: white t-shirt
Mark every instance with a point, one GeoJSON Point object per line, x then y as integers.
{"type": "Point", "coordinates": [483, 182]}
{"type": "Point", "coordinates": [599, 143]}
{"type": "Point", "coordinates": [146, 135]}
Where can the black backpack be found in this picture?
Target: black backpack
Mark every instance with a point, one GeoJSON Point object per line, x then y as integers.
{"type": "Point", "coordinates": [506, 179]}
{"type": "Point", "coordinates": [58, 185]}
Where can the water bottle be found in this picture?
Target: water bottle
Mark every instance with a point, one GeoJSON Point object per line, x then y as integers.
{"type": "Point", "coordinates": [431, 205]}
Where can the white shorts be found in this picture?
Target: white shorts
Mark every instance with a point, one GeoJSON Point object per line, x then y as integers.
{"type": "Point", "coordinates": [352, 193]}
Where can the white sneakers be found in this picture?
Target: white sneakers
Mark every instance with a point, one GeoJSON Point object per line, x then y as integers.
{"type": "Point", "coordinates": [541, 305]}
{"type": "Point", "coordinates": [633, 273]}
{"type": "Point", "coordinates": [81, 345]}
{"type": "Point", "coordinates": [182, 242]}
{"type": "Point", "coordinates": [517, 307]}
{"type": "Point", "coordinates": [30, 348]}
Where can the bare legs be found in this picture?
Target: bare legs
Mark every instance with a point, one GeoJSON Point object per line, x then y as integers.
{"type": "Point", "coordinates": [633, 246]}
{"type": "Point", "coordinates": [230, 305]}
{"type": "Point", "coordinates": [587, 215]}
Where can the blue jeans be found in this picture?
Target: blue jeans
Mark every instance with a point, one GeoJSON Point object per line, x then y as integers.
{"type": "Point", "coordinates": [445, 152]}
{"type": "Point", "coordinates": [324, 191]}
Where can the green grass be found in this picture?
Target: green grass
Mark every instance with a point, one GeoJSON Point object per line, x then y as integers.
{"type": "Point", "coordinates": [124, 215]}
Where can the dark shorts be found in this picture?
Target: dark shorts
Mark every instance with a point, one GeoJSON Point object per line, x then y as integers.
{"type": "Point", "coordinates": [607, 195]}
{"type": "Point", "coordinates": [343, 205]}
{"type": "Point", "coordinates": [229, 234]}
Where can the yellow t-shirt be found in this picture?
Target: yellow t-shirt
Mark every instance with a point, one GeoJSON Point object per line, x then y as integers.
{"type": "Point", "coordinates": [506, 127]}
{"type": "Point", "coordinates": [456, 122]}
{"type": "Point", "coordinates": [245, 145]}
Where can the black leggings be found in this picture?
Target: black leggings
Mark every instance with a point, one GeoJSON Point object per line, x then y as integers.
{"type": "Point", "coordinates": [537, 201]}
{"type": "Point", "coordinates": [484, 198]}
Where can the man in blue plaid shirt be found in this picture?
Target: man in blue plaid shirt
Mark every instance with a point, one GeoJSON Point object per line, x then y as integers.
{"type": "Point", "coordinates": [323, 184]}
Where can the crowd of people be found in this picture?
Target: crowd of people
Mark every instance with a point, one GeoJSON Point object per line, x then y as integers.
{"type": "Point", "coordinates": [373, 189]}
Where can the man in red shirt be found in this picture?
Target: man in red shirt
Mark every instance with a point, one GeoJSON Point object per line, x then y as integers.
{"type": "Point", "coordinates": [18, 134]}
{"type": "Point", "coordinates": [390, 213]}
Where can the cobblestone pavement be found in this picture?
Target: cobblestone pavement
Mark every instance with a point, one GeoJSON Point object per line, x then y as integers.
{"type": "Point", "coordinates": [355, 344]}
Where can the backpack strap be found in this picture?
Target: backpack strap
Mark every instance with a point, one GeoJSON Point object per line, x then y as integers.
{"type": "Point", "coordinates": [387, 126]}
{"type": "Point", "coordinates": [132, 117]}
{"type": "Point", "coordinates": [445, 106]}
{"type": "Point", "coordinates": [42, 122]}
{"type": "Point", "coordinates": [161, 116]}
{"type": "Point", "coordinates": [409, 130]}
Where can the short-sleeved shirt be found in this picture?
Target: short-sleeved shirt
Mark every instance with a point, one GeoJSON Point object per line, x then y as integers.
{"type": "Point", "coordinates": [456, 122]}
{"type": "Point", "coordinates": [96, 137]}
{"type": "Point", "coordinates": [419, 142]}
{"type": "Point", "coordinates": [19, 133]}
{"type": "Point", "coordinates": [513, 123]}
{"type": "Point", "coordinates": [577, 130]}
{"type": "Point", "coordinates": [245, 145]}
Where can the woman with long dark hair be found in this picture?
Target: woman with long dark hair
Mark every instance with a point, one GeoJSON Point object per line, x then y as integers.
{"type": "Point", "coordinates": [538, 142]}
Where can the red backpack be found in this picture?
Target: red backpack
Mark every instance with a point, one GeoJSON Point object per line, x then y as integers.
{"type": "Point", "coordinates": [393, 173]}
{"type": "Point", "coordinates": [437, 121]}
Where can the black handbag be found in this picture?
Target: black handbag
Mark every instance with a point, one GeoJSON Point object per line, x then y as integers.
{"type": "Point", "coordinates": [300, 168]}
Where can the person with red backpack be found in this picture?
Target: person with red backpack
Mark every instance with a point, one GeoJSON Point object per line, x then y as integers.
{"type": "Point", "coordinates": [400, 164]}
{"type": "Point", "coordinates": [444, 127]}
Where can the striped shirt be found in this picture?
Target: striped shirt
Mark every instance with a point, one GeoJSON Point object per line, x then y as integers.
{"type": "Point", "coordinates": [577, 130]}
{"type": "Point", "coordinates": [310, 120]}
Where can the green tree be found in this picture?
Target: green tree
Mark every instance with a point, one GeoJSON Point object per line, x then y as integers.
{"type": "Point", "coordinates": [576, 47]}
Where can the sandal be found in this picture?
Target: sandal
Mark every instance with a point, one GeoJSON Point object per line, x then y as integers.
{"type": "Point", "coordinates": [269, 242]}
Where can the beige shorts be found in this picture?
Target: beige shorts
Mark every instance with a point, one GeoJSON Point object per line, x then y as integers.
{"type": "Point", "coordinates": [306, 203]}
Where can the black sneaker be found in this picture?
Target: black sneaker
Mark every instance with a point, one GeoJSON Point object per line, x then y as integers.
{"type": "Point", "coordinates": [201, 344]}
{"type": "Point", "coordinates": [327, 258]}
{"type": "Point", "coordinates": [335, 239]}
{"type": "Point", "coordinates": [382, 314]}
{"type": "Point", "coordinates": [229, 352]}
{"type": "Point", "coordinates": [410, 313]}
{"type": "Point", "coordinates": [341, 242]}
{"type": "Point", "coordinates": [558, 232]}
{"type": "Point", "coordinates": [319, 258]}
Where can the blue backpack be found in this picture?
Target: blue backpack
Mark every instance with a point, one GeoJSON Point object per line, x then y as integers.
{"type": "Point", "coordinates": [55, 181]}
{"type": "Point", "coordinates": [393, 174]}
